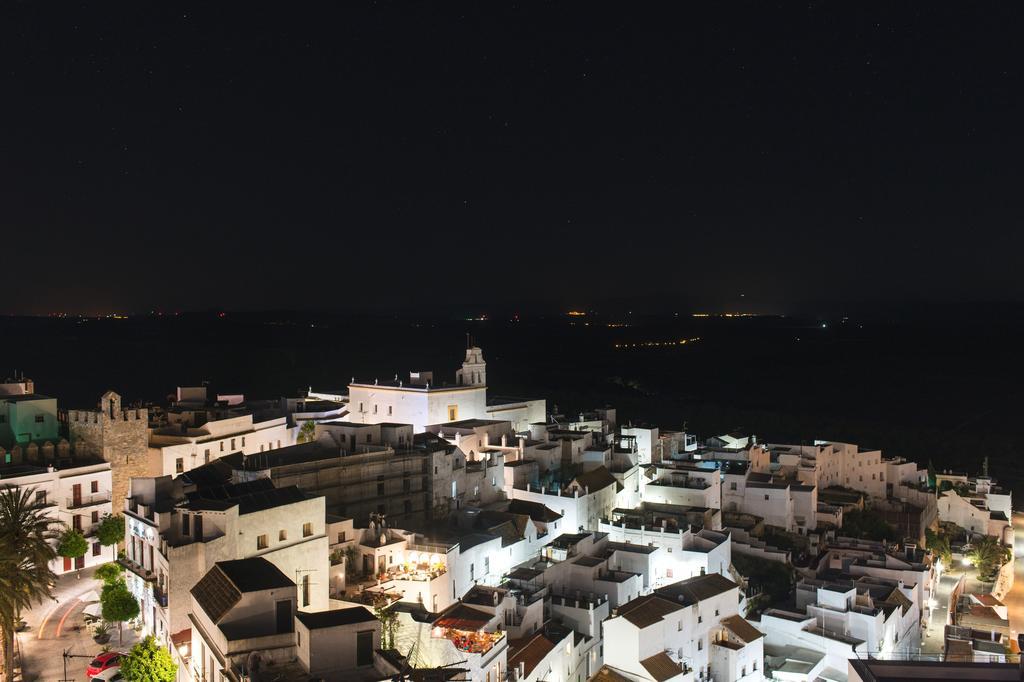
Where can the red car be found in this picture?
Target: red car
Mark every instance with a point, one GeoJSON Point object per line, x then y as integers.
{"type": "Point", "coordinates": [104, 661]}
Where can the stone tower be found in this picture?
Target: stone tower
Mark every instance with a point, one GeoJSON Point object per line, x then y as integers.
{"type": "Point", "coordinates": [118, 436]}
{"type": "Point", "coordinates": [474, 369]}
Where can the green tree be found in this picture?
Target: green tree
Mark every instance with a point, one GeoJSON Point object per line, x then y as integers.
{"type": "Point", "coordinates": [388, 621]}
{"type": "Point", "coordinates": [72, 544]}
{"type": "Point", "coordinates": [307, 432]}
{"type": "Point", "coordinates": [938, 544]}
{"type": "Point", "coordinates": [148, 662]}
{"type": "Point", "coordinates": [110, 572]}
{"type": "Point", "coordinates": [25, 556]}
{"type": "Point", "coordinates": [988, 555]}
{"type": "Point", "coordinates": [869, 525]}
{"type": "Point", "coordinates": [118, 605]}
{"type": "Point", "coordinates": [110, 532]}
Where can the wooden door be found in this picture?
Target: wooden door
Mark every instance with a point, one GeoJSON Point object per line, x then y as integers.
{"type": "Point", "coordinates": [76, 495]}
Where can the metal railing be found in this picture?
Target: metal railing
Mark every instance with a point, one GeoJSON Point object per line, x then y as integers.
{"type": "Point", "coordinates": [88, 500]}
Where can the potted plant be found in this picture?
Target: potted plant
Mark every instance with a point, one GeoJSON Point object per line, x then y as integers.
{"type": "Point", "coordinates": [101, 632]}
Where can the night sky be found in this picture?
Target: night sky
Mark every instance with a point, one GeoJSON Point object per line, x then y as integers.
{"type": "Point", "coordinates": [387, 156]}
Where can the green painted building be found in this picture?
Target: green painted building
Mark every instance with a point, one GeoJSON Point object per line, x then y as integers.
{"type": "Point", "coordinates": [26, 418]}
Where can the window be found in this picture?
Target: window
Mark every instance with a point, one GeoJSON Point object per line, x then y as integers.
{"type": "Point", "coordinates": [700, 645]}
{"type": "Point", "coordinates": [243, 441]}
{"type": "Point", "coordinates": [341, 536]}
{"type": "Point", "coordinates": [380, 488]}
{"type": "Point", "coordinates": [179, 465]}
{"type": "Point", "coordinates": [282, 536]}
{"type": "Point", "coordinates": [222, 446]}
{"type": "Point", "coordinates": [185, 524]}
{"type": "Point", "coordinates": [95, 517]}
{"type": "Point", "coordinates": [472, 571]}
{"type": "Point", "coordinates": [305, 589]}
{"type": "Point", "coordinates": [94, 486]}
{"type": "Point", "coordinates": [375, 408]}
{"type": "Point", "coordinates": [41, 497]}
{"type": "Point", "coordinates": [96, 549]}
{"type": "Point", "coordinates": [206, 456]}
{"type": "Point", "coordinates": [389, 410]}
{"type": "Point", "coordinates": [261, 542]}
{"type": "Point", "coordinates": [732, 486]}
{"type": "Point", "coordinates": [232, 443]}
{"type": "Point", "coordinates": [453, 412]}
{"type": "Point", "coordinates": [39, 419]}
{"type": "Point", "coordinates": [766, 498]}
{"type": "Point", "coordinates": [716, 613]}
{"type": "Point", "coordinates": [307, 529]}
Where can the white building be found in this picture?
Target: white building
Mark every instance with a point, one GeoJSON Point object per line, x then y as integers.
{"type": "Point", "coordinates": [690, 630]}
{"type": "Point", "coordinates": [75, 494]}
{"type": "Point", "coordinates": [244, 619]}
{"type": "Point", "coordinates": [174, 537]}
{"type": "Point", "coordinates": [177, 448]}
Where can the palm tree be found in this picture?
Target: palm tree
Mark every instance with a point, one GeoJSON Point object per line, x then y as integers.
{"type": "Point", "coordinates": [988, 555]}
{"type": "Point", "coordinates": [26, 551]}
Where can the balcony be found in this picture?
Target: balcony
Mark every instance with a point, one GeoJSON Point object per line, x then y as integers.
{"type": "Point", "coordinates": [88, 500]}
{"type": "Point", "coordinates": [137, 569]}
{"type": "Point", "coordinates": [159, 596]}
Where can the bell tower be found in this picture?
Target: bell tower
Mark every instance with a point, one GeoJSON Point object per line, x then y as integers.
{"type": "Point", "coordinates": [474, 369]}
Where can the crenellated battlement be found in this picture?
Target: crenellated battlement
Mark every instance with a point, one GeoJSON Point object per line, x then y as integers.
{"type": "Point", "coordinates": [97, 417]}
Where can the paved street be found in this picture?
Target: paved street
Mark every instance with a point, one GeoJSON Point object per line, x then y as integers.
{"type": "Point", "coordinates": [1015, 598]}
{"type": "Point", "coordinates": [59, 625]}
{"type": "Point", "coordinates": [931, 643]}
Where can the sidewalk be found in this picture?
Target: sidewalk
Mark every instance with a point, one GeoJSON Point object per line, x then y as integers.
{"type": "Point", "coordinates": [55, 626]}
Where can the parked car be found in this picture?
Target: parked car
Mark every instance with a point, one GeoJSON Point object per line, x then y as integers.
{"type": "Point", "coordinates": [102, 662]}
{"type": "Point", "coordinates": [109, 675]}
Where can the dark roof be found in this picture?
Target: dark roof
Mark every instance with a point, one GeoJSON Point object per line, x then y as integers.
{"type": "Point", "coordinates": [648, 610]}
{"type": "Point", "coordinates": [532, 652]}
{"type": "Point", "coordinates": [481, 595]}
{"type": "Point", "coordinates": [216, 594]}
{"type": "Point", "coordinates": [254, 574]}
{"type": "Point", "coordinates": [302, 453]}
{"type": "Point", "coordinates": [462, 617]}
{"type": "Point", "coordinates": [589, 561]}
{"type": "Point", "coordinates": [661, 667]}
{"type": "Point", "coordinates": [252, 496]}
{"type": "Point", "coordinates": [473, 539]}
{"type": "Point", "coordinates": [696, 589]}
{"type": "Point", "coordinates": [535, 510]}
{"type": "Point", "coordinates": [330, 619]}
{"type": "Point", "coordinates": [743, 630]}
{"type": "Point", "coordinates": [597, 479]}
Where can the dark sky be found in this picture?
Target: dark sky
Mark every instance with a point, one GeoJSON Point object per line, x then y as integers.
{"type": "Point", "coordinates": [386, 155]}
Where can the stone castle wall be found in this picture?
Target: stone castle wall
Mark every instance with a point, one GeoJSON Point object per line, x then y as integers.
{"type": "Point", "coordinates": [118, 436]}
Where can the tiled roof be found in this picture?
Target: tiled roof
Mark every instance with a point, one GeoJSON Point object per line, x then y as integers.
{"type": "Point", "coordinates": [648, 610]}
{"type": "Point", "coordinates": [743, 630]}
{"type": "Point", "coordinates": [462, 617]}
{"type": "Point", "coordinates": [661, 667]}
{"type": "Point", "coordinates": [531, 652]}
{"type": "Point", "coordinates": [696, 589]}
